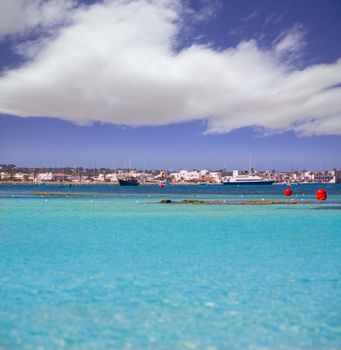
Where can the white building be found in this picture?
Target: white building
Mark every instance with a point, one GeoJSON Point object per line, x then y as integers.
{"type": "Point", "coordinates": [193, 175]}
{"type": "Point", "coordinates": [111, 177]}
{"type": "Point", "coordinates": [204, 173]}
{"type": "Point", "coordinates": [20, 176]}
{"type": "Point", "coordinates": [215, 176]}
{"type": "Point", "coordinates": [176, 177]}
{"type": "Point", "coordinates": [183, 175]}
{"type": "Point", "coordinates": [99, 178]}
{"type": "Point", "coordinates": [44, 177]}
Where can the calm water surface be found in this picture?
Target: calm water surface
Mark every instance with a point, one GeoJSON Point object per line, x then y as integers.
{"type": "Point", "coordinates": [125, 272]}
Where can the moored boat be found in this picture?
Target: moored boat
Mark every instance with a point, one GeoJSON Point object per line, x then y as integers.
{"type": "Point", "coordinates": [248, 179]}
{"type": "Point", "coordinates": [132, 181]}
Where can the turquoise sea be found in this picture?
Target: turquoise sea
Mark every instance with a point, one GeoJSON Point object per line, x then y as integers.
{"type": "Point", "coordinates": [117, 270]}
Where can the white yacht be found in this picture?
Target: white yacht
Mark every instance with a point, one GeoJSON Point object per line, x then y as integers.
{"type": "Point", "coordinates": [247, 179]}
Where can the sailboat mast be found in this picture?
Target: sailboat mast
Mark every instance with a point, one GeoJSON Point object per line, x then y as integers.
{"type": "Point", "coordinates": [249, 164]}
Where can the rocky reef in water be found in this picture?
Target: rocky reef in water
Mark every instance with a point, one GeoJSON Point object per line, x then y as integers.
{"type": "Point", "coordinates": [238, 202]}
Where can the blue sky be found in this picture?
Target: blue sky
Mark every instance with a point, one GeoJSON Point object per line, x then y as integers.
{"type": "Point", "coordinates": [175, 84]}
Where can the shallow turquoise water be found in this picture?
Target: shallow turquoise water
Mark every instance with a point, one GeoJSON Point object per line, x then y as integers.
{"type": "Point", "coordinates": [129, 273]}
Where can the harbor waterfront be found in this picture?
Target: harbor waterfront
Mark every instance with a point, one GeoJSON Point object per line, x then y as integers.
{"type": "Point", "coordinates": [14, 174]}
{"type": "Point", "coordinates": [110, 267]}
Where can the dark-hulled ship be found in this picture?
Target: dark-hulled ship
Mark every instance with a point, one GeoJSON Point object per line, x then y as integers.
{"type": "Point", "coordinates": [132, 181]}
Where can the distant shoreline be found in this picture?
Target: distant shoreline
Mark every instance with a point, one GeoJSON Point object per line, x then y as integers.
{"type": "Point", "coordinates": [146, 184]}
{"type": "Point", "coordinates": [96, 183]}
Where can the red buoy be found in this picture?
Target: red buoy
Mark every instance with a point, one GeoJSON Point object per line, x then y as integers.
{"type": "Point", "coordinates": [161, 185]}
{"type": "Point", "coordinates": [321, 194]}
{"type": "Point", "coordinates": [288, 192]}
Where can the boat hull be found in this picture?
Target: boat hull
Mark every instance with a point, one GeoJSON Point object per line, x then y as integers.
{"type": "Point", "coordinates": [248, 183]}
{"type": "Point", "coordinates": [128, 182]}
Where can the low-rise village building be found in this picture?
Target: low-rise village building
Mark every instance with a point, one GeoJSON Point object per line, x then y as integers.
{"type": "Point", "coordinates": [41, 177]}
{"type": "Point", "coordinates": [175, 177]}
{"type": "Point", "coordinates": [111, 178]}
{"type": "Point", "coordinates": [215, 176]}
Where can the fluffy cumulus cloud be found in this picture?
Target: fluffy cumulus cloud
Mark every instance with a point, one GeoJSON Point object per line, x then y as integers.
{"type": "Point", "coordinates": [116, 62]}
{"type": "Point", "coordinates": [20, 16]}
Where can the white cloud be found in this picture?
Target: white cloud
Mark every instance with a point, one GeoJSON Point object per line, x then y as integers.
{"type": "Point", "coordinates": [115, 62]}
{"type": "Point", "coordinates": [290, 42]}
{"type": "Point", "coordinates": [20, 16]}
